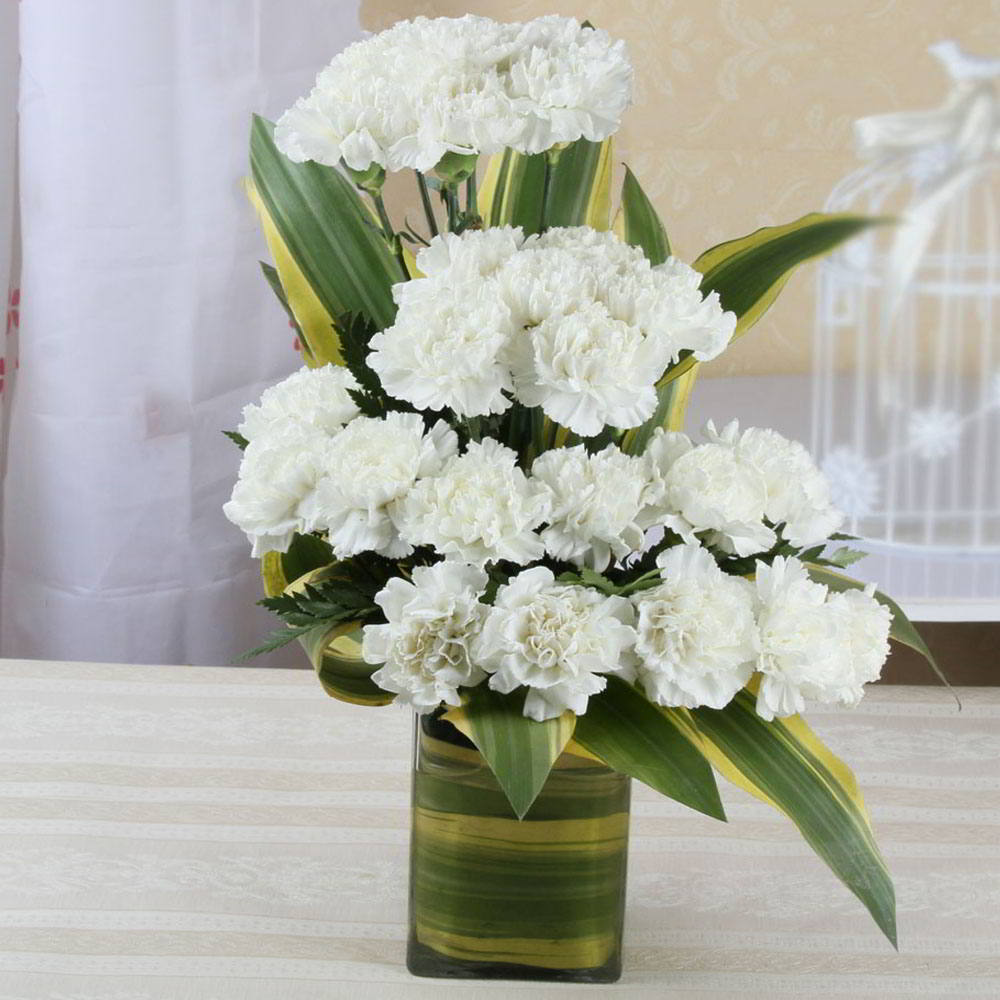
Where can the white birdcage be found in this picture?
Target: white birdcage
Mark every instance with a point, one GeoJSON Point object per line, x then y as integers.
{"type": "Point", "coordinates": [906, 376]}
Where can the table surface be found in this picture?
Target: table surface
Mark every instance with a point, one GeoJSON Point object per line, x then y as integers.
{"type": "Point", "coordinates": [184, 833]}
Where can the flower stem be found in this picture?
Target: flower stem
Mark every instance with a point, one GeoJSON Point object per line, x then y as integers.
{"type": "Point", "coordinates": [425, 199]}
{"type": "Point", "coordinates": [450, 194]}
{"type": "Point", "coordinates": [543, 223]}
{"type": "Point", "coordinates": [471, 202]}
{"type": "Point", "coordinates": [383, 218]}
{"type": "Point", "coordinates": [390, 234]}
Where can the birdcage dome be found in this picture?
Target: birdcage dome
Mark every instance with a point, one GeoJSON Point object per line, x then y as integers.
{"type": "Point", "coordinates": [906, 383]}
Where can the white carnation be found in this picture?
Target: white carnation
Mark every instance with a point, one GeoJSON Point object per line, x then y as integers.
{"type": "Point", "coordinates": [317, 397]}
{"type": "Point", "coordinates": [406, 96]}
{"type": "Point", "coordinates": [814, 644]}
{"type": "Point", "coordinates": [425, 649]}
{"type": "Point", "coordinates": [574, 321]}
{"type": "Point", "coordinates": [555, 640]}
{"type": "Point", "coordinates": [443, 351]}
{"type": "Point", "coordinates": [596, 501]}
{"type": "Point", "coordinates": [798, 494]}
{"type": "Point", "coordinates": [480, 508]}
{"type": "Point", "coordinates": [711, 488]}
{"type": "Point", "coordinates": [585, 370]}
{"type": "Point", "coordinates": [372, 464]}
{"type": "Point", "coordinates": [276, 484]}
{"type": "Point", "coordinates": [697, 636]}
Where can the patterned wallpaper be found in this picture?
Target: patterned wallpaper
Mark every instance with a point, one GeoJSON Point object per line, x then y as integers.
{"type": "Point", "coordinates": [743, 111]}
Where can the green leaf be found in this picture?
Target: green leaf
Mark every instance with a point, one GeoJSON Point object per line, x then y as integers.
{"type": "Point", "coordinates": [305, 554]}
{"type": "Point", "coordinates": [327, 229]}
{"type": "Point", "coordinates": [637, 222]}
{"type": "Point", "coordinates": [635, 737]}
{"type": "Point", "coordinates": [902, 629]}
{"type": "Point", "coordinates": [271, 277]}
{"type": "Point", "coordinates": [511, 193]}
{"type": "Point", "coordinates": [238, 439]}
{"type": "Point", "coordinates": [673, 396]}
{"type": "Point", "coordinates": [519, 751]}
{"type": "Point", "coordinates": [783, 763]}
{"type": "Point", "coordinates": [335, 653]}
{"type": "Point", "coordinates": [845, 557]}
{"type": "Point", "coordinates": [580, 186]}
{"type": "Point", "coordinates": [748, 273]}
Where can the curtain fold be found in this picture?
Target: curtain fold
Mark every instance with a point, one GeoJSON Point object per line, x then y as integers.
{"type": "Point", "coordinates": [145, 324]}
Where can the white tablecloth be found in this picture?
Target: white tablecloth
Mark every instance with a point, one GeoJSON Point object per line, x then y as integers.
{"type": "Point", "coordinates": [180, 833]}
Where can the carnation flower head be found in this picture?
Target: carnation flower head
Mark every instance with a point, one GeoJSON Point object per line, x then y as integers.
{"type": "Point", "coordinates": [710, 488]}
{"type": "Point", "coordinates": [317, 397]}
{"type": "Point", "coordinates": [575, 321]}
{"type": "Point", "coordinates": [798, 494]}
{"type": "Point", "coordinates": [276, 484]}
{"type": "Point", "coordinates": [596, 500]}
{"type": "Point", "coordinates": [557, 640]}
{"type": "Point", "coordinates": [425, 647]}
{"type": "Point", "coordinates": [480, 508]}
{"type": "Point", "coordinates": [372, 464]}
{"type": "Point", "coordinates": [423, 88]}
{"type": "Point", "coordinates": [696, 633]}
{"type": "Point", "coordinates": [814, 644]}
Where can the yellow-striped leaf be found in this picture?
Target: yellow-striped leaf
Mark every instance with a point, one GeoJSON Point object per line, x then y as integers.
{"type": "Point", "coordinates": [580, 186]}
{"type": "Point", "coordinates": [327, 229]}
{"type": "Point", "coordinates": [749, 272]}
{"type": "Point", "coordinates": [622, 728]}
{"type": "Point", "coordinates": [785, 765]}
{"type": "Point", "coordinates": [315, 324]}
{"type": "Point", "coordinates": [334, 652]}
{"type": "Point", "coordinates": [637, 222]}
{"type": "Point", "coordinates": [673, 398]}
{"type": "Point", "coordinates": [519, 751]}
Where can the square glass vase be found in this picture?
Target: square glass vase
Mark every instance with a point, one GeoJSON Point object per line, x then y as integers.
{"type": "Point", "coordinates": [495, 897]}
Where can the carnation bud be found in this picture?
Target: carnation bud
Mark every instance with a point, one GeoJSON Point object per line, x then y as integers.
{"type": "Point", "coordinates": [453, 168]}
{"type": "Point", "coordinates": [370, 179]}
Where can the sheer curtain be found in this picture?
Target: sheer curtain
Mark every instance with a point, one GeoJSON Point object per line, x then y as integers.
{"type": "Point", "coordinates": [144, 322]}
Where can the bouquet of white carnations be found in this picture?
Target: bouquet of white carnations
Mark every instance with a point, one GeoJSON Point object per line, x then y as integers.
{"type": "Point", "coordinates": [477, 498]}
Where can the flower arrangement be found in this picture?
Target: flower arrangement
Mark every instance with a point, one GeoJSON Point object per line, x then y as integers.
{"type": "Point", "coordinates": [477, 499]}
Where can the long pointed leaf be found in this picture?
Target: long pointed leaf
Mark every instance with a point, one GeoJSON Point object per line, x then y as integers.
{"type": "Point", "coordinates": [784, 764]}
{"type": "Point", "coordinates": [511, 193]}
{"type": "Point", "coordinates": [315, 324]}
{"type": "Point", "coordinates": [902, 629]}
{"type": "Point", "coordinates": [673, 398]}
{"type": "Point", "coordinates": [580, 193]}
{"type": "Point", "coordinates": [519, 751]}
{"type": "Point", "coordinates": [631, 735]}
{"type": "Point", "coordinates": [334, 651]}
{"type": "Point", "coordinates": [749, 272]}
{"type": "Point", "coordinates": [327, 229]}
{"type": "Point", "coordinates": [637, 222]}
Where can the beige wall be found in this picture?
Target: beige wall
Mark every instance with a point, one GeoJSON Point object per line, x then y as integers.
{"type": "Point", "coordinates": [743, 110]}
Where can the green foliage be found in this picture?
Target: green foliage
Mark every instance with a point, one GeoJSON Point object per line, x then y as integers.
{"type": "Point", "coordinates": [519, 751]}
{"type": "Point", "coordinates": [634, 737]}
{"type": "Point", "coordinates": [327, 229]}
{"type": "Point", "coordinates": [238, 439]}
{"type": "Point", "coordinates": [782, 762]}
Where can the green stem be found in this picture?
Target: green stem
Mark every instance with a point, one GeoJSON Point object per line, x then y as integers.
{"type": "Point", "coordinates": [543, 223]}
{"type": "Point", "coordinates": [450, 194]}
{"type": "Point", "coordinates": [425, 199]}
{"type": "Point", "coordinates": [471, 202]}
{"type": "Point", "coordinates": [390, 234]}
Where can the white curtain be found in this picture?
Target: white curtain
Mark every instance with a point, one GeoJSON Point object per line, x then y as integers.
{"type": "Point", "coordinates": [145, 325]}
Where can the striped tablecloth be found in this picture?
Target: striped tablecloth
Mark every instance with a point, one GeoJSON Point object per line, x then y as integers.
{"type": "Point", "coordinates": [181, 833]}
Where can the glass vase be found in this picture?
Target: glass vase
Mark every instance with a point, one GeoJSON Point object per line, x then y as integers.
{"type": "Point", "coordinates": [494, 897]}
